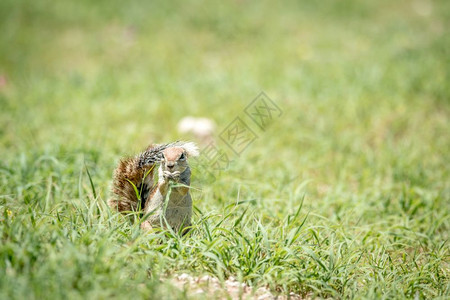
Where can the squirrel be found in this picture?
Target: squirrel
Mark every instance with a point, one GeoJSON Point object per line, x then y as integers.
{"type": "Point", "coordinates": [168, 201]}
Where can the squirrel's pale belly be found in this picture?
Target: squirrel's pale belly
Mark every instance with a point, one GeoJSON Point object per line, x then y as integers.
{"type": "Point", "coordinates": [177, 213]}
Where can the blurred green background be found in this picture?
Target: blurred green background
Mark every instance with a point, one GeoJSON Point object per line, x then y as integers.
{"type": "Point", "coordinates": [83, 72]}
{"type": "Point", "coordinates": [364, 87]}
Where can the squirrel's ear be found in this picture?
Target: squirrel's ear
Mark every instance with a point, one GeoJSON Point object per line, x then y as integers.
{"type": "Point", "coordinates": [191, 149]}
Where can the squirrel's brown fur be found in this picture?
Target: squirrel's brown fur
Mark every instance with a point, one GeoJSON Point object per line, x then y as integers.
{"type": "Point", "coordinates": [126, 199]}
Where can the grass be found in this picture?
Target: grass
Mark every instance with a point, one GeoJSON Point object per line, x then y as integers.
{"type": "Point", "coordinates": [346, 195]}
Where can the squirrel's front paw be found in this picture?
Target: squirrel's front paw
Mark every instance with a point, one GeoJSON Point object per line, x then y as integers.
{"type": "Point", "coordinates": [172, 176]}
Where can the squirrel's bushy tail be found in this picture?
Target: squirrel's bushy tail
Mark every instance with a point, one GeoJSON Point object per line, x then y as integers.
{"type": "Point", "coordinates": [128, 171]}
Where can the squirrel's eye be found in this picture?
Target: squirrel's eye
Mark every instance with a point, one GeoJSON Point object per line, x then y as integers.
{"type": "Point", "coordinates": [182, 157]}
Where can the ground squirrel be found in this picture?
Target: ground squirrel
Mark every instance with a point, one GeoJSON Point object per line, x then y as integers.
{"type": "Point", "coordinates": [168, 201]}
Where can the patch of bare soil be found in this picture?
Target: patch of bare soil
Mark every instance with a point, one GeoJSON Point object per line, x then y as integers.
{"type": "Point", "coordinates": [210, 287]}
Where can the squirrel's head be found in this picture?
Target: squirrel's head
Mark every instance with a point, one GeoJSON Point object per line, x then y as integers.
{"type": "Point", "coordinates": [175, 158]}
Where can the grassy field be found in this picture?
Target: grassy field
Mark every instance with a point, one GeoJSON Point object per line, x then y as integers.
{"type": "Point", "coordinates": [346, 195]}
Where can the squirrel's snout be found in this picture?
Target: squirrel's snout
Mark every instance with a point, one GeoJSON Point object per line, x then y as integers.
{"type": "Point", "coordinates": [170, 165]}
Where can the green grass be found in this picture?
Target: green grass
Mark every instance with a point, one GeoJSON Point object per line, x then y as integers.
{"type": "Point", "coordinates": [347, 195]}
